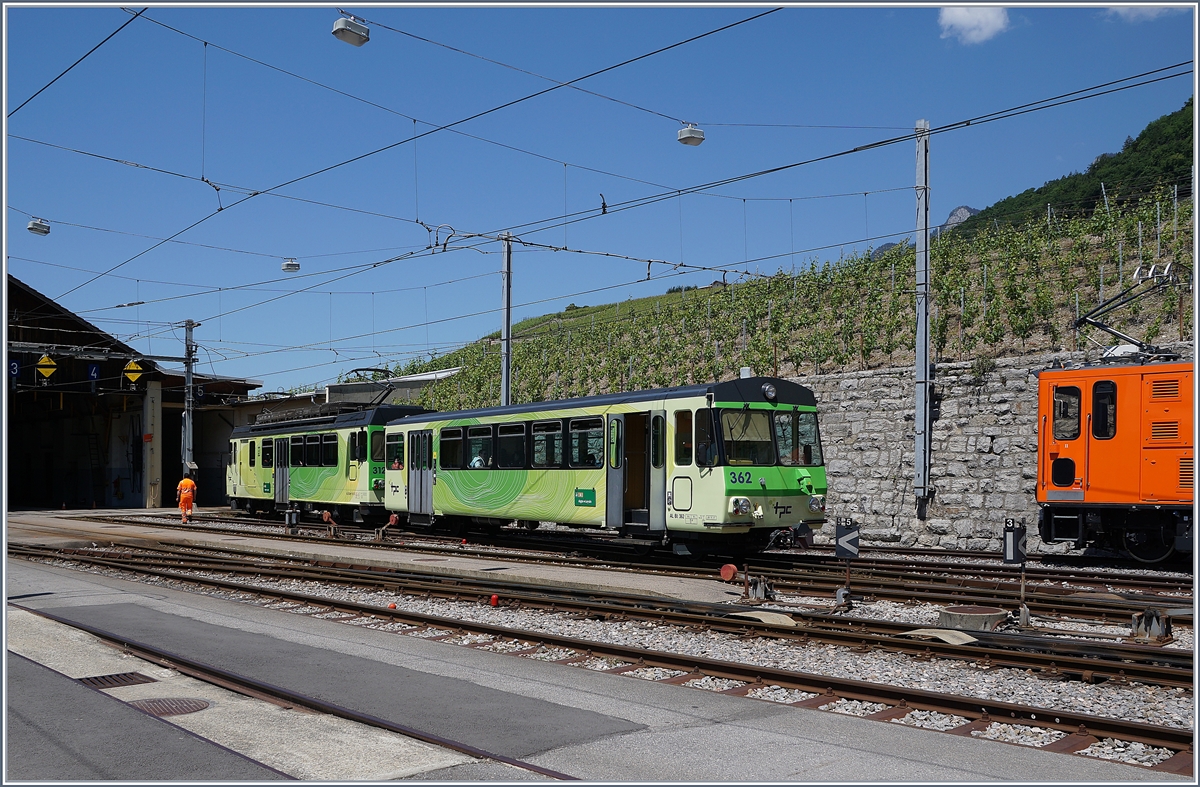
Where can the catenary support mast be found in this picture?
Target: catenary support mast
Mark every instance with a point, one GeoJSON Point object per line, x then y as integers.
{"type": "Point", "coordinates": [921, 488]}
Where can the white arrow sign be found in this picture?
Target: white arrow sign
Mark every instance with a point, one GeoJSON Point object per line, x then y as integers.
{"type": "Point", "coordinates": [847, 542]}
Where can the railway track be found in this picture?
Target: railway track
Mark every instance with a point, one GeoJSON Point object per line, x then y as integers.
{"type": "Point", "coordinates": [1052, 657]}
{"type": "Point", "coordinates": [1104, 598]}
{"type": "Point", "coordinates": [821, 690]}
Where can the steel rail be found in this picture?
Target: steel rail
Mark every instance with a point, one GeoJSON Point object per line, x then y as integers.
{"type": "Point", "coordinates": [786, 572]}
{"type": "Point", "coordinates": [1055, 658]}
{"type": "Point", "coordinates": [827, 688]}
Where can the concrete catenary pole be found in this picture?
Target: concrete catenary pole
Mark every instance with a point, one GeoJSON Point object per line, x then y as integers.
{"type": "Point", "coordinates": [189, 354]}
{"type": "Point", "coordinates": [506, 328]}
{"type": "Point", "coordinates": [923, 383]}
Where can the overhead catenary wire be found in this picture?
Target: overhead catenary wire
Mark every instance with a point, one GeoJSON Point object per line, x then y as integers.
{"type": "Point", "coordinates": [77, 62]}
{"type": "Point", "coordinates": [469, 118]}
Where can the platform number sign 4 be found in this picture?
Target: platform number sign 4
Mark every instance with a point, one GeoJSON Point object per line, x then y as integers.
{"type": "Point", "coordinates": [1014, 542]}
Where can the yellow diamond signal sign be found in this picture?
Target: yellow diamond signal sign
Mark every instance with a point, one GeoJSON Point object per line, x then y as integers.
{"type": "Point", "coordinates": [46, 366]}
{"type": "Point", "coordinates": [133, 371]}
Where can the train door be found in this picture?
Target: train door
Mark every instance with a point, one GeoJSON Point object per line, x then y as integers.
{"type": "Point", "coordinates": [282, 463]}
{"type": "Point", "coordinates": [614, 499]}
{"type": "Point", "coordinates": [1111, 435]}
{"type": "Point", "coordinates": [1167, 458]}
{"type": "Point", "coordinates": [1065, 457]}
{"type": "Point", "coordinates": [637, 468]}
{"type": "Point", "coordinates": [420, 475]}
{"type": "Point", "coordinates": [658, 470]}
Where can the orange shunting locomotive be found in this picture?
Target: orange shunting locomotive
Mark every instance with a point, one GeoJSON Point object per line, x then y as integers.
{"type": "Point", "coordinates": [1115, 457]}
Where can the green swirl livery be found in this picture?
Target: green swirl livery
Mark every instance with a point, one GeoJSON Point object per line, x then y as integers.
{"type": "Point", "coordinates": [699, 467]}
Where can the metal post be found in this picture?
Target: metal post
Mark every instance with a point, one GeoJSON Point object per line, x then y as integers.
{"type": "Point", "coordinates": [1105, 193]}
{"type": "Point", "coordinates": [1157, 230]}
{"type": "Point", "coordinates": [506, 326]}
{"type": "Point", "coordinates": [921, 419]}
{"type": "Point", "coordinates": [189, 354]}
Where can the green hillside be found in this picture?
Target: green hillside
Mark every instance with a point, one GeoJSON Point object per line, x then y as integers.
{"type": "Point", "coordinates": [1006, 287]}
{"type": "Point", "coordinates": [1161, 155]}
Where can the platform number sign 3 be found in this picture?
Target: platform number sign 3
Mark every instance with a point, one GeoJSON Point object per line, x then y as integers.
{"type": "Point", "coordinates": [1014, 542]}
{"type": "Point", "coordinates": [14, 368]}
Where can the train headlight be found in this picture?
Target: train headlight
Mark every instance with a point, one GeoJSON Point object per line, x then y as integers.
{"type": "Point", "coordinates": [816, 503]}
{"type": "Point", "coordinates": [768, 390]}
{"type": "Point", "coordinates": [740, 505]}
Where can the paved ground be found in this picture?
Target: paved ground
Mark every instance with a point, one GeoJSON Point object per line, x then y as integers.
{"type": "Point", "coordinates": [589, 725]}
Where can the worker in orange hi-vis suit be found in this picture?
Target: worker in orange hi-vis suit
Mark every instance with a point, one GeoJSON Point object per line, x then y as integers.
{"type": "Point", "coordinates": [185, 493]}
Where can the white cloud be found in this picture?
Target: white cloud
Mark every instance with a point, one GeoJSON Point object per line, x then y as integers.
{"type": "Point", "coordinates": [973, 24]}
{"type": "Point", "coordinates": [1141, 13]}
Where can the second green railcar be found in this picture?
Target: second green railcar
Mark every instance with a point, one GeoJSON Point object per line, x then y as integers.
{"type": "Point", "coordinates": [326, 458]}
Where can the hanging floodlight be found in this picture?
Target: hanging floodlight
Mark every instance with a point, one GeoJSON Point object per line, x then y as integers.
{"type": "Point", "coordinates": [290, 265]}
{"type": "Point", "coordinates": [691, 135]}
{"type": "Point", "coordinates": [351, 31]}
{"type": "Point", "coordinates": [39, 226]}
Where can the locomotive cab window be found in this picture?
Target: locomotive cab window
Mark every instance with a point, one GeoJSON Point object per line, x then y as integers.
{"type": "Point", "coordinates": [747, 435]}
{"type": "Point", "coordinates": [329, 450]}
{"type": "Point", "coordinates": [268, 453]}
{"type": "Point", "coordinates": [1104, 410]}
{"type": "Point", "coordinates": [683, 437]}
{"type": "Point", "coordinates": [377, 446]}
{"type": "Point", "coordinates": [395, 450]}
{"type": "Point", "coordinates": [1066, 412]}
{"type": "Point", "coordinates": [798, 439]}
{"type": "Point", "coordinates": [547, 444]}
{"type": "Point", "coordinates": [451, 451]}
{"type": "Point", "coordinates": [511, 446]}
{"type": "Point", "coordinates": [587, 442]}
{"type": "Point", "coordinates": [706, 439]}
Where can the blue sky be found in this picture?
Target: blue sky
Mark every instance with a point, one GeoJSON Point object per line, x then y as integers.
{"type": "Point", "coordinates": [760, 92]}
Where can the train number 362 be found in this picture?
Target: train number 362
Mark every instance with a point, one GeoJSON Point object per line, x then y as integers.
{"type": "Point", "coordinates": [739, 478]}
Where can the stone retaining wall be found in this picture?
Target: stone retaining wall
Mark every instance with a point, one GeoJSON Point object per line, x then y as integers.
{"type": "Point", "coordinates": [984, 457]}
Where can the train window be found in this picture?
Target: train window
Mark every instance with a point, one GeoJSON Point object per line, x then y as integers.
{"type": "Point", "coordinates": [232, 453]}
{"type": "Point", "coordinates": [1062, 472]}
{"type": "Point", "coordinates": [352, 447]}
{"type": "Point", "coordinates": [268, 453]}
{"type": "Point", "coordinates": [250, 456]}
{"type": "Point", "coordinates": [615, 446]}
{"type": "Point", "coordinates": [587, 442]}
{"type": "Point", "coordinates": [312, 450]}
{"type": "Point", "coordinates": [329, 452]}
{"type": "Point", "coordinates": [747, 435]}
{"type": "Point", "coordinates": [547, 444]}
{"type": "Point", "coordinates": [1066, 412]}
{"type": "Point", "coordinates": [395, 451]}
{"type": "Point", "coordinates": [479, 447]}
{"type": "Point", "coordinates": [683, 437]}
{"type": "Point", "coordinates": [658, 440]}
{"type": "Point", "coordinates": [798, 440]}
{"type": "Point", "coordinates": [451, 452]}
{"type": "Point", "coordinates": [510, 446]}
{"type": "Point", "coordinates": [377, 445]}
{"type": "Point", "coordinates": [706, 439]}
{"type": "Point", "coordinates": [297, 446]}
{"type": "Point", "coordinates": [1104, 410]}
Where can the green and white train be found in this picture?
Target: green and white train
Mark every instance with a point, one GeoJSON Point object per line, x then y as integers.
{"type": "Point", "coordinates": [699, 467]}
{"type": "Point", "coordinates": [326, 458]}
